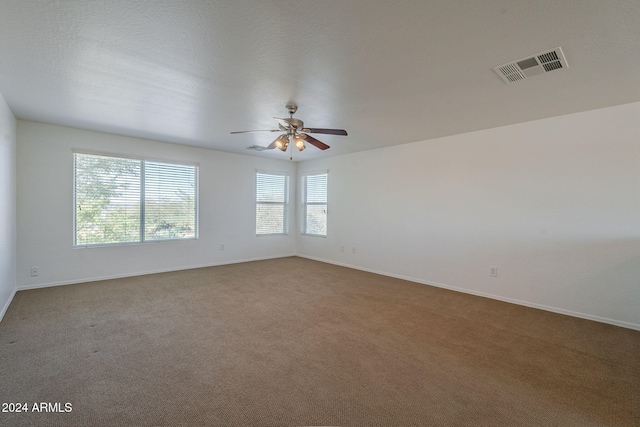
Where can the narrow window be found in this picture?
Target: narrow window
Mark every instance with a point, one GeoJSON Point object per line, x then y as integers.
{"type": "Point", "coordinates": [121, 200]}
{"type": "Point", "coordinates": [315, 205]}
{"type": "Point", "coordinates": [272, 200]}
{"type": "Point", "coordinates": [169, 201]}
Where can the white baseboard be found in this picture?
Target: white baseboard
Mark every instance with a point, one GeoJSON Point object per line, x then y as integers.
{"type": "Point", "coordinates": [142, 273]}
{"type": "Point", "coordinates": [558, 310]}
{"type": "Point", "coordinates": [8, 303]}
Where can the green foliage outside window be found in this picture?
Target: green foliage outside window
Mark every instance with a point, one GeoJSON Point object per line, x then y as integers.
{"type": "Point", "coordinates": [108, 194]}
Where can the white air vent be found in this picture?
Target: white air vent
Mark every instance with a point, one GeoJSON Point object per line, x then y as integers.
{"type": "Point", "coordinates": [256, 148]}
{"type": "Point", "coordinates": [539, 63]}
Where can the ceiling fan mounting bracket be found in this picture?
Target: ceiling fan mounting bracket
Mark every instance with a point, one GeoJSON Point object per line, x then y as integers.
{"type": "Point", "coordinates": [292, 108]}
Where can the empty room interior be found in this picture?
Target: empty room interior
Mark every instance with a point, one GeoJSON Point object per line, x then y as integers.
{"type": "Point", "coordinates": [315, 213]}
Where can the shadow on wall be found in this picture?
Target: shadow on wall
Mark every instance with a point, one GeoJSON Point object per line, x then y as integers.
{"type": "Point", "coordinates": [597, 278]}
{"type": "Point", "coordinates": [617, 281]}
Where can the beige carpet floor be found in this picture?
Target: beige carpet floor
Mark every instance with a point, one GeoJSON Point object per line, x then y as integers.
{"type": "Point", "coordinates": [294, 342]}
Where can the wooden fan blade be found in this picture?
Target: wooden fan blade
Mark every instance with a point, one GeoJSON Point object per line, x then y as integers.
{"type": "Point", "coordinates": [311, 140]}
{"type": "Point", "coordinates": [326, 131]}
{"type": "Point", "coordinates": [247, 131]}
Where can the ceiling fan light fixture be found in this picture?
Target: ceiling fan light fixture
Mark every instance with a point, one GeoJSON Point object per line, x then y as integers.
{"type": "Point", "coordinates": [299, 142]}
{"type": "Point", "coordinates": [282, 142]}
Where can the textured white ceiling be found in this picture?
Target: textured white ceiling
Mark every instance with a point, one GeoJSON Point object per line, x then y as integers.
{"type": "Point", "coordinates": [390, 72]}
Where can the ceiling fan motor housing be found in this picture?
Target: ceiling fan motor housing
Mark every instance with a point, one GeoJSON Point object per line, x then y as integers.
{"type": "Point", "coordinates": [296, 123]}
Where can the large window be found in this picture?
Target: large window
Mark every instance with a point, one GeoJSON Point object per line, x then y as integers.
{"type": "Point", "coordinates": [121, 200]}
{"type": "Point", "coordinates": [315, 205]}
{"type": "Point", "coordinates": [272, 199]}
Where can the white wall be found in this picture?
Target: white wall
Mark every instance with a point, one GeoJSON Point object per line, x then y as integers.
{"type": "Point", "coordinates": [45, 209]}
{"type": "Point", "coordinates": [7, 206]}
{"type": "Point", "coordinates": [554, 204]}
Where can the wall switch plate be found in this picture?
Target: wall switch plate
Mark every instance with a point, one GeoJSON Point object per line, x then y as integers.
{"type": "Point", "coordinates": [493, 271]}
{"type": "Point", "coordinates": [35, 271]}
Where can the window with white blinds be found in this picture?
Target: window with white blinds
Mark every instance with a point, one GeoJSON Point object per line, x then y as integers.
{"type": "Point", "coordinates": [169, 201]}
{"type": "Point", "coordinates": [120, 200]}
{"type": "Point", "coordinates": [272, 200]}
{"type": "Point", "coordinates": [315, 205]}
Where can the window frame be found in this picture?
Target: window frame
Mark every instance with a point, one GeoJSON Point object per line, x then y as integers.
{"type": "Point", "coordinates": [284, 204]}
{"type": "Point", "coordinates": [142, 221]}
{"type": "Point", "coordinates": [306, 203]}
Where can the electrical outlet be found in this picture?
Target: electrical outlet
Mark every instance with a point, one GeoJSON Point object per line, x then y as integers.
{"type": "Point", "coordinates": [493, 271]}
{"type": "Point", "coordinates": [353, 250]}
{"type": "Point", "coordinates": [342, 248]}
{"type": "Point", "coordinates": [35, 271]}
{"type": "Point", "coordinates": [222, 247]}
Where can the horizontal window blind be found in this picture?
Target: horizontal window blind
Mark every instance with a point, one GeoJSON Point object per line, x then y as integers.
{"type": "Point", "coordinates": [120, 200]}
{"type": "Point", "coordinates": [169, 201]}
{"type": "Point", "coordinates": [272, 198]}
{"type": "Point", "coordinates": [315, 205]}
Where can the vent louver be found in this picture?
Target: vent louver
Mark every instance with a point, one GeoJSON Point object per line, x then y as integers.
{"type": "Point", "coordinates": [256, 148]}
{"type": "Point", "coordinates": [533, 65]}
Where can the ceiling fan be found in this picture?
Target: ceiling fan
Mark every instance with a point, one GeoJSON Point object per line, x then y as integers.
{"type": "Point", "coordinates": [294, 131]}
